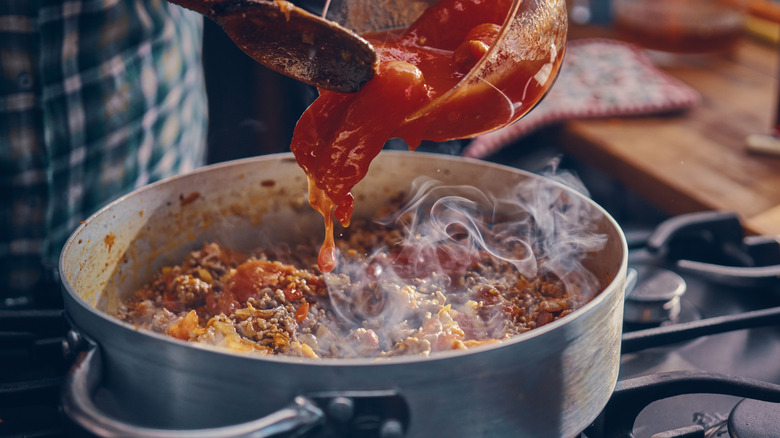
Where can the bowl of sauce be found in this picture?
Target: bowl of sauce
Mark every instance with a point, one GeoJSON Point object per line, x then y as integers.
{"type": "Point", "coordinates": [448, 69]}
{"type": "Point", "coordinates": [487, 62]}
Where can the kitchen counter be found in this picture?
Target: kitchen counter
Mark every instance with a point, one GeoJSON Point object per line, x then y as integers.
{"type": "Point", "coordinates": [698, 159]}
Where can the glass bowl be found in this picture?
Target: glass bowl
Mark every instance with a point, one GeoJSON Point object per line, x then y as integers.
{"type": "Point", "coordinates": [503, 86]}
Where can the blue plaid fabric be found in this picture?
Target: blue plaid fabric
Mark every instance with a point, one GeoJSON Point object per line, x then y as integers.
{"type": "Point", "coordinates": [97, 97]}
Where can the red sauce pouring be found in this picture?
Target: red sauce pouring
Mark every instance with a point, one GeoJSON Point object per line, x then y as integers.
{"type": "Point", "coordinates": [339, 135]}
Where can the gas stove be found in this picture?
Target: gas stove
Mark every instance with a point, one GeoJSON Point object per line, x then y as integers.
{"type": "Point", "coordinates": [700, 352]}
{"type": "Point", "coordinates": [701, 342]}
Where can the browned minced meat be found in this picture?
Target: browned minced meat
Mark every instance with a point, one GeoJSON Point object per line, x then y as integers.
{"type": "Point", "coordinates": [276, 301]}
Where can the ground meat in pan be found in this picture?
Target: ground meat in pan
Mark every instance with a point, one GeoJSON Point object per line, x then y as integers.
{"type": "Point", "coordinates": [276, 301]}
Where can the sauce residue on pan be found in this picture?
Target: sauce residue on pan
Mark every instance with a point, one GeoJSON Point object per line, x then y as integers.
{"type": "Point", "coordinates": [189, 199]}
{"type": "Point", "coordinates": [109, 241]}
{"type": "Point", "coordinates": [339, 135]}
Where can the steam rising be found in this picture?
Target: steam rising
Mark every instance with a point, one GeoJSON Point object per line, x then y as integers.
{"type": "Point", "coordinates": [537, 228]}
{"type": "Point", "coordinates": [451, 267]}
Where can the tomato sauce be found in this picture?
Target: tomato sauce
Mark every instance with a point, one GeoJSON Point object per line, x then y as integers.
{"type": "Point", "coordinates": [249, 279]}
{"type": "Point", "coordinates": [339, 135]}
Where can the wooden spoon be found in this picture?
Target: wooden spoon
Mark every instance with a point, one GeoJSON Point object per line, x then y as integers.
{"type": "Point", "coordinates": [293, 42]}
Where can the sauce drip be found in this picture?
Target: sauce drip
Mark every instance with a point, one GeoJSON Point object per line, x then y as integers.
{"type": "Point", "coordinates": [339, 135]}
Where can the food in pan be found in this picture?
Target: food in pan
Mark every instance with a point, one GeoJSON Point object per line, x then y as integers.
{"type": "Point", "coordinates": [408, 283]}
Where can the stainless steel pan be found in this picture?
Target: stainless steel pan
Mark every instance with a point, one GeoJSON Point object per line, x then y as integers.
{"type": "Point", "coordinates": [551, 381]}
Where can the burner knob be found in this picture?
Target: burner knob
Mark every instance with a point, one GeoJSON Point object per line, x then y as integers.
{"type": "Point", "coordinates": [654, 297]}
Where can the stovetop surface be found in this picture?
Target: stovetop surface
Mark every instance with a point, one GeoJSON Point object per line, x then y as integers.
{"type": "Point", "coordinates": [752, 353]}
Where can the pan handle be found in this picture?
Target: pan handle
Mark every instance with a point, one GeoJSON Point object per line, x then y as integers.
{"type": "Point", "coordinates": [83, 380]}
{"type": "Point", "coordinates": [384, 414]}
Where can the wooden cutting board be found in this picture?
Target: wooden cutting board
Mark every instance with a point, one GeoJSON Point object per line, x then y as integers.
{"type": "Point", "coordinates": [698, 160]}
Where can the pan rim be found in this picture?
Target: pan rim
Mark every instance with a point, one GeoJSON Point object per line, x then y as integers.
{"type": "Point", "coordinates": [615, 286]}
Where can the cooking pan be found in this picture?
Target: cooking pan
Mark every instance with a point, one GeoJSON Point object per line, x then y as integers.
{"type": "Point", "coordinates": [550, 381]}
